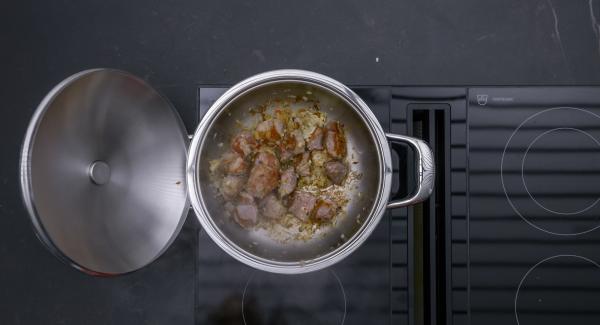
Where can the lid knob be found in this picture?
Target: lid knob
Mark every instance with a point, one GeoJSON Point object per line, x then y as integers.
{"type": "Point", "coordinates": [99, 172]}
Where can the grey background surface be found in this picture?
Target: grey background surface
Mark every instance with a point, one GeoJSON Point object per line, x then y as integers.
{"type": "Point", "coordinates": [177, 44]}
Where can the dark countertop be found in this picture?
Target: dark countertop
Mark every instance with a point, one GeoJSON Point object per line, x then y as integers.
{"type": "Point", "coordinates": [177, 44]}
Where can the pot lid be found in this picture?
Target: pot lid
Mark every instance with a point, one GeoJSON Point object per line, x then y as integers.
{"type": "Point", "coordinates": [103, 172]}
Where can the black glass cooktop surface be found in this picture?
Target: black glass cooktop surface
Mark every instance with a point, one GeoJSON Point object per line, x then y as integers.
{"type": "Point", "coordinates": [534, 187]}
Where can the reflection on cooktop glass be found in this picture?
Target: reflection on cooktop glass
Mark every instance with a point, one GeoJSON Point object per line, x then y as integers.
{"type": "Point", "coordinates": [299, 299]}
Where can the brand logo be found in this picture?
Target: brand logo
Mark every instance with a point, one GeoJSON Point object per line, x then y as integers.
{"type": "Point", "coordinates": [482, 100]}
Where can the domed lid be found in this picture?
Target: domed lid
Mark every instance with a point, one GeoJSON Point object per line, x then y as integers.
{"type": "Point", "coordinates": [103, 172]}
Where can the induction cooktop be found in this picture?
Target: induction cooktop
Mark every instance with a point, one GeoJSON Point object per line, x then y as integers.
{"type": "Point", "coordinates": [509, 236]}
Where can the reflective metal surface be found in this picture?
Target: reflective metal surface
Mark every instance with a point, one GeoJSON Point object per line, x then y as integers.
{"type": "Point", "coordinates": [99, 172]}
{"type": "Point", "coordinates": [425, 171]}
{"type": "Point", "coordinates": [366, 141]}
{"type": "Point", "coordinates": [102, 172]}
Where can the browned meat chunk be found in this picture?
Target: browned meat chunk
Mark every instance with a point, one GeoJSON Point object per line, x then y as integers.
{"type": "Point", "coordinates": [246, 212]}
{"type": "Point", "coordinates": [303, 164]}
{"type": "Point", "coordinates": [267, 158]}
{"type": "Point", "coordinates": [335, 140]}
{"type": "Point", "coordinates": [315, 140]}
{"type": "Point", "coordinates": [292, 144]}
{"type": "Point", "coordinates": [272, 208]}
{"type": "Point", "coordinates": [237, 166]}
{"type": "Point", "coordinates": [270, 130]}
{"type": "Point", "coordinates": [243, 143]}
{"type": "Point", "coordinates": [325, 210]}
{"type": "Point", "coordinates": [264, 176]}
{"type": "Point", "coordinates": [233, 163]}
{"type": "Point", "coordinates": [303, 205]}
{"type": "Point", "coordinates": [336, 171]}
{"type": "Point", "coordinates": [231, 186]}
{"type": "Point", "coordinates": [288, 182]}
{"type": "Point", "coordinates": [285, 155]}
{"type": "Point", "coordinates": [298, 141]}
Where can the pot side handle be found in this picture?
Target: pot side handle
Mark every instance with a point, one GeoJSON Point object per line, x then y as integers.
{"type": "Point", "coordinates": [425, 170]}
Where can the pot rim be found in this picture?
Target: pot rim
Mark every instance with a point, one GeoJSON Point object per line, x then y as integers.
{"type": "Point", "coordinates": [370, 121]}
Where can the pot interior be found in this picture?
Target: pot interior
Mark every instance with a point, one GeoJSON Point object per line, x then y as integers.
{"type": "Point", "coordinates": [364, 159]}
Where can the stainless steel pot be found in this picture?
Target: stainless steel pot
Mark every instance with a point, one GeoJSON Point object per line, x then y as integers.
{"type": "Point", "coordinates": [104, 174]}
{"type": "Point", "coordinates": [366, 141]}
